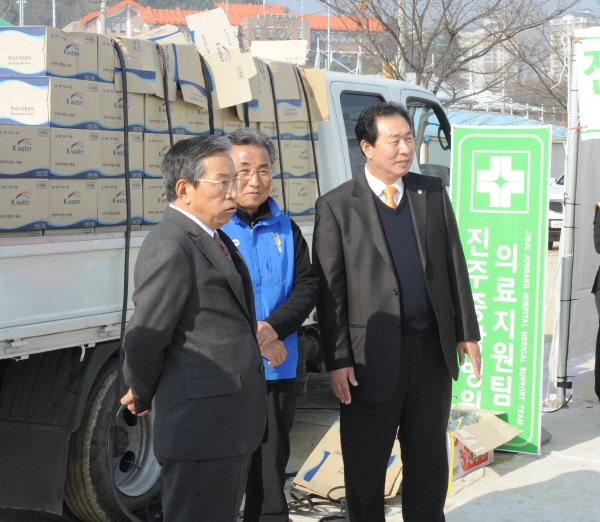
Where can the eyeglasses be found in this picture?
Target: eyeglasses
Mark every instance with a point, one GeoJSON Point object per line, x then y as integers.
{"type": "Point", "coordinates": [225, 184]}
{"type": "Point", "coordinates": [247, 174]}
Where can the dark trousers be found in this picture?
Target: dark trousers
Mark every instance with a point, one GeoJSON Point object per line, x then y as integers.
{"type": "Point", "coordinates": [419, 409]}
{"type": "Point", "coordinates": [597, 369]}
{"type": "Point", "coordinates": [265, 497]}
{"type": "Point", "coordinates": [203, 490]}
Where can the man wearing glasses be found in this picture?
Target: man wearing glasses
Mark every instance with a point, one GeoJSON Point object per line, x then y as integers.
{"type": "Point", "coordinates": [285, 291]}
{"type": "Point", "coordinates": [191, 354]}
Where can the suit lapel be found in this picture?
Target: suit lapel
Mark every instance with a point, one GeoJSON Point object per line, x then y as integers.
{"type": "Point", "coordinates": [213, 253]}
{"type": "Point", "coordinates": [417, 202]}
{"type": "Point", "coordinates": [365, 207]}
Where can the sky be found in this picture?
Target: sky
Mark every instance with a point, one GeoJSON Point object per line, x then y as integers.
{"type": "Point", "coordinates": [310, 6]}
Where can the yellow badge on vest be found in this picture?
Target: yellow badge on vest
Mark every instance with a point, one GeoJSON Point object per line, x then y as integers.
{"type": "Point", "coordinates": [277, 242]}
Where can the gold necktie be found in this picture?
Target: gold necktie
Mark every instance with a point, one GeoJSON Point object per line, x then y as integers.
{"type": "Point", "coordinates": [389, 193]}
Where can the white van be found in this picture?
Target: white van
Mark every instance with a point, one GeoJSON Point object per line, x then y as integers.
{"type": "Point", "coordinates": [60, 319]}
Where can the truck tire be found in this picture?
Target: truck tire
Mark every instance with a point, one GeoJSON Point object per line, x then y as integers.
{"type": "Point", "coordinates": [88, 492]}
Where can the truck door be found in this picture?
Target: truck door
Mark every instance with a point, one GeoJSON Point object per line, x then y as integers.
{"type": "Point", "coordinates": [431, 131]}
{"type": "Point", "coordinates": [346, 103]}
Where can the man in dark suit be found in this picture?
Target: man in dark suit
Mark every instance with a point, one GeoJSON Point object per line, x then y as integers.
{"type": "Point", "coordinates": [191, 345]}
{"type": "Point", "coordinates": [395, 304]}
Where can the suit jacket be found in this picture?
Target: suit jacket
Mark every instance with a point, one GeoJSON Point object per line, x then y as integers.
{"type": "Point", "coordinates": [596, 285]}
{"type": "Point", "coordinates": [190, 345]}
{"type": "Point", "coordinates": [359, 306]}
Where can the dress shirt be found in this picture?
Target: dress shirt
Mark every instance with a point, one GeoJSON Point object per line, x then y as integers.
{"type": "Point", "coordinates": [208, 230]}
{"type": "Point", "coordinates": [378, 186]}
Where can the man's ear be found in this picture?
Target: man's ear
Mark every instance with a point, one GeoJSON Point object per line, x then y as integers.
{"type": "Point", "coordinates": [367, 148]}
{"type": "Point", "coordinates": [182, 190]}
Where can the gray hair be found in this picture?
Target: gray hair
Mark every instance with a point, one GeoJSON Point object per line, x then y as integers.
{"type": "Point", "coordinates": [184, 160]}
{"type": "Point", "coordinates": [252, 136]}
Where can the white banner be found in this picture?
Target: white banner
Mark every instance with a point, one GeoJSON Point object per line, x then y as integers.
{"type": "Point", "coordinates": [587, 51]}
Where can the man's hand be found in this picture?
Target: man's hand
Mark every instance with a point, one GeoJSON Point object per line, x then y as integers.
{"type": "Point", "coordinates": [471, 348]}
{"type": "Point", "coordinates": [265, 334]}
{"type": "Point", "coordinates": [339, 380]}
{"type": "Point", "coordinates": [274, 352]}
{"type": "Point", "coordinates": [127, 400]}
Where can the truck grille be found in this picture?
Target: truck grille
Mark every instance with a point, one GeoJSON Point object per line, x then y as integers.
{"type": "Point", "coordinates": [556, 206]}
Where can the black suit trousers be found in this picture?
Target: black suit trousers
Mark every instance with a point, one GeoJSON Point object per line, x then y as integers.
{"type": "Point", "coordinates": [418, 412]}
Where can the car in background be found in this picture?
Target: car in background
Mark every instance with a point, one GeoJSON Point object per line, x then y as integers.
{"type": "Point", "coordinates": [556, 196]}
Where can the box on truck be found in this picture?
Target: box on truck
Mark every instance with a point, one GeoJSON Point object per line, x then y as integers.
{"type": "Point", "coordinates": [60, 317]}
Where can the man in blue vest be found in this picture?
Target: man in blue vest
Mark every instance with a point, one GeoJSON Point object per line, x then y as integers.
{"type": "Point", "coordinates": [285, 291]}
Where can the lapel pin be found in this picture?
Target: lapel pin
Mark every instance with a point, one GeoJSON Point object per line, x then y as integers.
{"type": "Point", "coordinates": [419, 192]}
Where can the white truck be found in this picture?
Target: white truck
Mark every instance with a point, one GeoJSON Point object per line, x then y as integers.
{"type": "Point", "coordinates": [60, 317]}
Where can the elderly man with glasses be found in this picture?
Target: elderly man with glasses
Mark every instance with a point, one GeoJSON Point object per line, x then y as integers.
{"type": "Point", "coordinates": [285, 291]}
{"type": "Point", "coordinates": [191, 353]}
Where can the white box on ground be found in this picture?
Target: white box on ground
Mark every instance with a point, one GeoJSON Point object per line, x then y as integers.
{"type": "Point", "coordinates": [74, 153]}
{"type": "Point", "coordinates": [50, 101]}
{"type": "Point", "coordinates": [111, 109]}
{"type": "Point", "coordinates": [112, 202]}
{"type": "Point", "coordinates": [23, 204]}
{"type": "Point", "coordinates": [72, 203]}
{"type": "Point", "coordinates": [155, 114]}
{"type": "Point", "coordinates": [155, 201]}
{"type": "Point", "coordinates": [24, 151]}
{"type": "Point", "coordinates": [46, 51]}
{"type": "Point", "coordinates": [112, 154]}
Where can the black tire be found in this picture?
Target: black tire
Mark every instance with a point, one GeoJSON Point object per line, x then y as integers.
{"type": "Point", "coordinates": [88, 491]}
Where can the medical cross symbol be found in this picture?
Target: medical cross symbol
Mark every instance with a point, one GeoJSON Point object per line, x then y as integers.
{"type": "Point", "coordinates": [511, 181]}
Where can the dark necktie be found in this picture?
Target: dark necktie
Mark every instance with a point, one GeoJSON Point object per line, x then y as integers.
{"type": "Point", "coordinates": [223, 247]}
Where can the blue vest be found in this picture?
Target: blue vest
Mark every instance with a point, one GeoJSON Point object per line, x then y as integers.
{"type": "Point", "coordinates": [268, 249]}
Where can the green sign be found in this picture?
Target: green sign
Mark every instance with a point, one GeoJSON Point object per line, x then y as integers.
{"type": "Point", "coordinates": [499, 183]}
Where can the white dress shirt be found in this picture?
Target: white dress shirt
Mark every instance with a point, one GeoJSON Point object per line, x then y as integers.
{"type": "Point", "coordinates": [208, 230]}
{"type": "Point", "coordinates": [378, 186]}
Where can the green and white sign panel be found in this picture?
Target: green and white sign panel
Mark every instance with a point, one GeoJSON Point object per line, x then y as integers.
{"type": "Point", "coordinates": [498, 187]}
{"type": "Point", "coordinates": [587, 52]}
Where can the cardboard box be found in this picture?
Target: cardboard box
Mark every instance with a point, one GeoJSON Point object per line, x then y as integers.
{"type": "Point", "coordinates": [260, 107]}
{"type": "Point", "coordinates": [106, 59]}
{"type": "Point", "coordinates": [72, 203]}
{"type": "Point", "coordinates": [112, 209]}
{"type": "Point", "coordinates": [74, 153]}
{"type": "Point", "coordinates": [324, 468]}
{"type": "Point", "coordinates": [155, 201]}
{"type": "Point", "coordinates": [69, 231]}
{"type": "Point", "coordinates": [297, 149]}
{"type": "Point", "coordinates": [196, 120]}
{"type": "Point", "coordinates": [301, 194]}
{"type": "Point", "coordinates": [111, 109]}
{"type": "Point", "coordinates": [155, 147]}
{"type": "Point", "coordinates": [190, 77]}
{"type": "Point", "coordinates": [24, 233]}
{"type": "Point", "coordinates": [155, 114]}
{"type": "Point", "coordinates": [229, 67]}
{"type": "Point", "coordinates": [50, 101]}
{"type": "Point", "coordinates": [24, 151]}
{"type": "Point", "coordinates": [230, 121]}
{"type": "Point", "coordinates": [288, 92]}
{"type": "Point", "coordinates": [47, 51]}
{"type": "Point", "coordinates": [112, 154]}
{"type": "Point", "coordinates": [143, 69]}
{"type": "Point", "coordinates": [117, 228]}
{"type": "Point", "coordinates": [292, 51]}
{"type": "Point", "coordinates": [23, 204]}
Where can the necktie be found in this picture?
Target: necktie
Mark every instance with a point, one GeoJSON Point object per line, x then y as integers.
{"type": "Point", "coordinates": [223, 247]}
{"type": "Point", "coordinates": [389, 193]}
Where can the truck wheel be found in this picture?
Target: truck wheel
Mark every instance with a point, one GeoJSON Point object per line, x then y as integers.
{"type": "Point", "coordinates": [66, 516]}
{"type": "Point", "coordinates": [88, 492]}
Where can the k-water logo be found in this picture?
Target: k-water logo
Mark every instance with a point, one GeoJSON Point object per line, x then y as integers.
{"type": "Point", "coordinates": [22, 199]}
{"type": "Point", "coordinates": [163, 198]}
{"type": "Point", "coordinates": [163, 107]}
{"type": "Point", "coordinates": [74, 198]}
{"type": "Point", "coordinates": [120, 104]}
{"type": "Point", "coordinates": [72, 49]}
{"type": "Point", "coordinates": [121, 197]}
{"type": "Point", "coordinates": [77, 148]}
{"type": "Point", "coordinates": [75, 99]}
{"type": "Point", "coordinates": [223, 52]}
{"type": "Point", "coordinates": [164, 151]}
{"type": "Point", "coordinates": [304, 155]}
{"type": "Point", "coordinates": [120, 150]}
{"type": "Point", "coordinates": [23, 145]}
{"type": "Point", "coordinates": [304, 192]}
